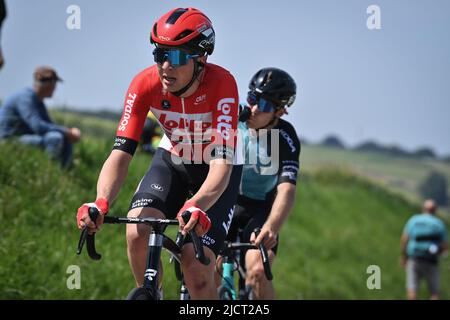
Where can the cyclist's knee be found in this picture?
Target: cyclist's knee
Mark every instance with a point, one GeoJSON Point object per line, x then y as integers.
{"type": "Point", "coordinates": [196, 281]}
{"type": "Point", "coordinates": [254, 265]}
{"type": "Point", "coordinates": [256, 271]}
{"type": "Point", "coordinates": [137, 233]}
{"type": "Point", "coordinates": [196, 275]}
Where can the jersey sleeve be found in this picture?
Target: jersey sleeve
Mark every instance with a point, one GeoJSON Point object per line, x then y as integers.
{"type": "Point", "coordinates": [225, 119]}
{"type": "Point", "coordinates": [35, 115]}
{"type": "Point", "coordinates": [135, 109]}
{"type": "Point", "coordinates": [290, 148]}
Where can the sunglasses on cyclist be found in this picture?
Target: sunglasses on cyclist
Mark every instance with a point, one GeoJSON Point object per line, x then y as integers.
{"type": "Point", "coordinates": [174, 56]}
{"type": "Point", "coordinates": [263, 104]}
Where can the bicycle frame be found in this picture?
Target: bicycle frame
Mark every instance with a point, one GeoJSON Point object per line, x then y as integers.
{"type": "Point", "coordinates": [228, 274]}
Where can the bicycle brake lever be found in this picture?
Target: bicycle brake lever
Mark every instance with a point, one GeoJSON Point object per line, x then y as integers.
{"type": "Point", "coordinates": [179, 242]}
{"type": "Point", "coordinates": [89, 239]}
{"type": "Point", "coordinates": [93, 215]}
{"type": "Point", "coordinates": [264, 256]}
{"type": "Point", "coordinates": [198, 247]}
{"type": "Point", "coordinates": [82, 240]}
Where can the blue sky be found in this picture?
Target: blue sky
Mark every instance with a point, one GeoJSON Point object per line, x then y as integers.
{"type": "Point", "coordinates": [390, 85]}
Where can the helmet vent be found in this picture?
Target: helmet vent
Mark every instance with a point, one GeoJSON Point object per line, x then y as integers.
{"type": "Point", "coordinates": [184, 34]}
{"type": "Point", "coordinates": [267, 78]}
{"type": "Point", "coordinates": [175, 15]}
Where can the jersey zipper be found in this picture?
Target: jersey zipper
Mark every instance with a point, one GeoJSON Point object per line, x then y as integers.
{"type": "Point", "coordinates": [182, 106]}
{"type": "Point", "coordinates": [184, 114]}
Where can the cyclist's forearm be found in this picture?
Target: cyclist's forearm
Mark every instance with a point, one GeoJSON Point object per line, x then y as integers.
{"type": "Point", "coordinates": [112, 175]}
{"type": "Point", "coordinates": [282, 206]}
{"type": "Point", "coordinates": [214, 185]}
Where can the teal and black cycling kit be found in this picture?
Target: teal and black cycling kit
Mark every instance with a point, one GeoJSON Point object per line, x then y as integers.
{"type": "Point", "coordinates": [260, 178]}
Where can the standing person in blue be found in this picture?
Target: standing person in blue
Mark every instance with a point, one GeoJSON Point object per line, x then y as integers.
{"type": "Point", "coordinates": [424, 239]}
{"type": "Point", "coordinates": [2, 17]}
{"type": "Point", "coordinates": [24, 116]}
{"type": "Point", "coordinates": [267, 192]}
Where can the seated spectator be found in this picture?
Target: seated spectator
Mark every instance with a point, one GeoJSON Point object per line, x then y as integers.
{"type": "Point", "coordinates": [24, 116]}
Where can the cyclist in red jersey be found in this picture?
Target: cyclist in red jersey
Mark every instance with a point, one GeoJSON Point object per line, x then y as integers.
{"type": "Point", "coordinates": [195, 167]}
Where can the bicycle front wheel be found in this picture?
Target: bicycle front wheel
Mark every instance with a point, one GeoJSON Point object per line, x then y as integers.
{"type": "Point", "coordinates": [141, 294]}
{"type": "Point", "coordinates": [225, 293]}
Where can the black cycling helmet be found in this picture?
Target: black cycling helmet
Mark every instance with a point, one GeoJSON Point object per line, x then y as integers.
{"type": "Point", "coordinates": [274, 85]}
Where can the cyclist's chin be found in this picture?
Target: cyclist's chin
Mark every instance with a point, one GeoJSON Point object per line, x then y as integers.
{"type": "Point", "coordinates": [253, 122]}
{"type": "Point", "coordinates": [171, 87]}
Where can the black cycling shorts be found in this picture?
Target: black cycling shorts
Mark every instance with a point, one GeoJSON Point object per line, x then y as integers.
{"type": "Point", "coordinates": [166, 186]}
{"type": "Point", "coordinates": [248, 215]}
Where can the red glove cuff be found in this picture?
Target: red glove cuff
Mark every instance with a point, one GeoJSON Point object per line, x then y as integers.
{"type": "Point", "coordinates": [103, 205]}
{"type": "Point", "coordinates": [197, 213]}
{"type": "Point", "coordinates": [189, 204]}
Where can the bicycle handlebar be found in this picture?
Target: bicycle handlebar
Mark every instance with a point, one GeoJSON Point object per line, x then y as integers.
{"type": "Point", "coordinates": [90, 238]}
{"type": "Point", "coordinates": [262, 249]}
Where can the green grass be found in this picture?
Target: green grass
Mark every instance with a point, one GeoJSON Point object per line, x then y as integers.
{"type": "Point", "coordinates": [340, 225]}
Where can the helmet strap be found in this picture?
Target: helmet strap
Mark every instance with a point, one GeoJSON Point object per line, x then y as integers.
{"type": "Point", "coordinates": [198, 68]}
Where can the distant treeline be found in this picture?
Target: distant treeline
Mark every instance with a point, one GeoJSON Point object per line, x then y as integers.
{"type": "Point", "coordinates": [333, 141]}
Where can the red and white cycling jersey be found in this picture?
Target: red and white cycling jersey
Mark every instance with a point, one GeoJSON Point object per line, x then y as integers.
{"type": "Point", "coordinates": [207, 118]}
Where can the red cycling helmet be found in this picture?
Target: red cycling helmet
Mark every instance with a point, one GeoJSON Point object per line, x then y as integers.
{"type": "Point", "coordinates": [184, 28]}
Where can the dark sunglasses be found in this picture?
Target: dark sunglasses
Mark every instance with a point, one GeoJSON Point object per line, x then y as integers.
{"type": "Point", "coordinates": [174, 56]}
{"type": "Point", "coordinates": [263, 104]}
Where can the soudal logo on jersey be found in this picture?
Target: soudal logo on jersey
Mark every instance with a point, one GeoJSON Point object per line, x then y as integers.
{"type": "Point", "coordinates": [174, 120]}
{"type": "Point", "coordinates": [127, 111]}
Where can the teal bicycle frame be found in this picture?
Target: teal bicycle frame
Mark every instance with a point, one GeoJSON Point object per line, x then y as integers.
{"type": "Point", "coordinates": [231, 255]}
{"type": "Point", "coordinates": [228, 278]}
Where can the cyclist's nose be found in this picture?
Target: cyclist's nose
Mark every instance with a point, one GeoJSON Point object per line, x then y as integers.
{"type": "Point", "coordinates": [166, 65]}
